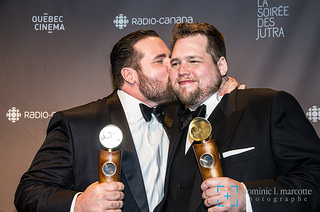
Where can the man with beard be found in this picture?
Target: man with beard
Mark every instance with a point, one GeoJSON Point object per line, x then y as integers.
{"type": "Point", "coordinates": [63, 175]}
{"type": "Point", "coordinates": [266, 144]}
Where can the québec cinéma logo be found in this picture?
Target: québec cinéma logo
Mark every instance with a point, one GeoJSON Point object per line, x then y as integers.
{"type": "Point", "coordinates": [121, 21]}
{"type": "Point", "coordinates": [14, 114]}
{"type": "Point", "coordinates": [48, 22]}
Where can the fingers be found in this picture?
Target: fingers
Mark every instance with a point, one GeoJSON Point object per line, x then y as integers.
{"type": "Point", "coordinates": [112, 186]}
{"type": "Point", "coordinates": [228, 84]}
{"type": "Point", "coordinates": [112, 191]}
{"type": "Point", "coordinates": [243, 86]}
{"type": "Point", "coordinates": [113, 205]}
{"type": "Point", "coordinates": [113, 195]}
{"type": "Point", "coordinates": [214, 182]}
{"type": "Point", "coordinates": [223, 194]}
{"type": "Point", "coordinates": [100, 197]}
{"type": "Point", "coordinates": [106, 191]}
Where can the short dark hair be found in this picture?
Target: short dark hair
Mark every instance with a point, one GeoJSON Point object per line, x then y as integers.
{"type": "Point", "coordinates": [124, 55]}
{"type": "Point", "coordinates": [216, 43]}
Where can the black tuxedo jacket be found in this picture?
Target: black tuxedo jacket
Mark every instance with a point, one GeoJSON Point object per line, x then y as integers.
{"type": "Point", "coordinates": [280, 152]}
{"type": "Point", "coordinates": [67, 162]}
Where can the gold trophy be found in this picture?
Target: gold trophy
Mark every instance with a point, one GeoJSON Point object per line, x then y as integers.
{"type": "Point", "coordinates": [110, 159]}
{"type": "Point", "coordinates": [205, 148]}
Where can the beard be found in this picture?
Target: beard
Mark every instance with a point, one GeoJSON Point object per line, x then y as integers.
{"type": "Point", "coordinates": [199, 95]}
{"type": "Point", "coordinates": [156, 90]}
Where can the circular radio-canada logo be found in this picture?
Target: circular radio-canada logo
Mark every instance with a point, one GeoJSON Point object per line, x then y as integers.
{"type": "Point", "coordinates": [313, 114]}
{"type": "Point", "coordinates": [13, 114]}
{"type": "Point", "coordinates": [121, 21]}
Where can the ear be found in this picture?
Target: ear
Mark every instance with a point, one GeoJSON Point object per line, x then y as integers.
{"type": "Point", "coordinates": [222, 66]}
{"type": "Point", "coordinates": [128, 75]}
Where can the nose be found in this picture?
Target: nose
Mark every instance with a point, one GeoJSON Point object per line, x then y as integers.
{"type": "Point", "coordinates": [183, 69]}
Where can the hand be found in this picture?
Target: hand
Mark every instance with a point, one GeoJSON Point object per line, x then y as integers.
{"type": "Point", "coordinates": [101, 197]}
{"type": "Point", "coordinates": [225, 192]}
{"type": "Point", "coordinates": [229, 84]}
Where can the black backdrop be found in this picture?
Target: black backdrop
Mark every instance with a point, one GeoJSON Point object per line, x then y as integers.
{"type": "Point", "coordinates": [54, 54]}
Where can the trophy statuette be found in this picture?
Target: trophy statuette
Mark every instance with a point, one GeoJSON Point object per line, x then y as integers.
{"type": "Point", "coordinates": [205, 148]}
{"type": "Point", "coordinates": [110, 159]}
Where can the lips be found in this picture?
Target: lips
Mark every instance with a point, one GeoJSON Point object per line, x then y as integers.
{"type": "Point", "coordinates": [185, 81]}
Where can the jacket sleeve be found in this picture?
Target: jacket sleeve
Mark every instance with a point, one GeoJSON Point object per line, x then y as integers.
{"type": "Point", "coordinates": [47, 185]}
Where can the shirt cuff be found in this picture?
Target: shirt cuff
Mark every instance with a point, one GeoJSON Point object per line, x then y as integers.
{"type": "Point", "coordinates": [248, 202]}
{"type": "Point", "coordinates": [74, 201]}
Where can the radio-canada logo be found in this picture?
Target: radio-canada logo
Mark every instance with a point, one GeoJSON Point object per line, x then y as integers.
{"type": "Point", "coordinates": [313, 114]}
{"type": "Point", "coordinates": [13, 114]}
{"type": "Point", "coordinates": [121, 21]}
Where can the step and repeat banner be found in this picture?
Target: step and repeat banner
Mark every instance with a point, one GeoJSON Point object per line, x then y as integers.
{"type": "Point", "coordinates": [55, 55]}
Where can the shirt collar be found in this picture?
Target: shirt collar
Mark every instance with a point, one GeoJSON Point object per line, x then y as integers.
{"type": "Point", "coordinates": [130, 106]}
{"type": "Point", "coordinates": [211, 103]}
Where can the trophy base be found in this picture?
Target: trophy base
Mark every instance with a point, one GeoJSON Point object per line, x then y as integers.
{"type": "Point", "coordinates": [208, 159]}
{"type": "Point", "coordinates": [109, 166]}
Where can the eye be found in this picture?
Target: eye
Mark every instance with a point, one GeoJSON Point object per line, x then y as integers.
{"type": "Point", "coordinates": [160, 61]}
{"type": "Point", "coordinates": [175, 64]}
{"type": "Point", "coordinates": [193, 61]}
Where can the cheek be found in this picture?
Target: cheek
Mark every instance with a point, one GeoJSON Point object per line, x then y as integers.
{"type": "Point", "coordinates": [206, 74]}
{"type": "Point", "coordinates": [210, 79]}
{"type": "Point", "coordinates": [172, 76]}
{"type": "Point", "coordinates": [163, 77]}
{"type": "Point", "coordinates": [156, 74]}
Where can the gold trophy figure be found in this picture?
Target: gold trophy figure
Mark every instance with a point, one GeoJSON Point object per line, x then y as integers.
{"type": "Point", "coordinates": [110, 159]}
{"type": "Point", "coordinates": [205, 148]}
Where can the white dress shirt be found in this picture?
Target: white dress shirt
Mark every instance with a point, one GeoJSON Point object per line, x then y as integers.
{"type": "Point", "coordinates": [152, 144]}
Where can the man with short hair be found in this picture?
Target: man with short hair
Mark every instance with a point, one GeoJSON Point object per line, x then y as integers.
{"type": "Point", "coordinates": [264, 139]}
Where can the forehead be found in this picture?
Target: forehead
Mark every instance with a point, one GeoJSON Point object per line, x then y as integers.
{"type": "Point", "coordinates": [190, 45]}
{"type": "Point", "coordinates": [152, 46]}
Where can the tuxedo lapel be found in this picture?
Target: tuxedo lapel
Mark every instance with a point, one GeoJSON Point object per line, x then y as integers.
{"type": "Point", "coordinates": [130, 163]}
{"type": "Point", "coordinates": [224, 121]}
{"type": "Point", "coordinates": [173, 132]}
{"type": "Point", "coordinates": [173, 145]}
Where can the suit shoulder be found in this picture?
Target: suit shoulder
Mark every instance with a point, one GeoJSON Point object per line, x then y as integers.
{"type": "Point", "coordinates": [86, 109]}
{"type": "Point", "coordinates": [262, 96]}
{"type": "Point", "coordinates": [260, 93]}
{"type": "Point", "coordinates": [85, 112]}
{"type": "Point", "coordinates": [256, 92]}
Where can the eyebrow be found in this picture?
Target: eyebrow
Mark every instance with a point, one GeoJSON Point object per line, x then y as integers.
{"type": "Point", "coordinates": [174, 59]}
{"type": "Point", "coordinates": [187, 58]}
{"type": "Point", "coordinates": [160, 56]}
{"type": "Point", "coordinates": [193, 57]}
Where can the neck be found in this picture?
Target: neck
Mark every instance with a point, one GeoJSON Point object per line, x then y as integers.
{"type": "Point", "coordinates": [200, 102]}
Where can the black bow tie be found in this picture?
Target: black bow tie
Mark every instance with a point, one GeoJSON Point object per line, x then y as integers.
{"type": "Point", "coordinates": [186, 116]}
{"type": "Point", "coordinates": [157, 111]}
